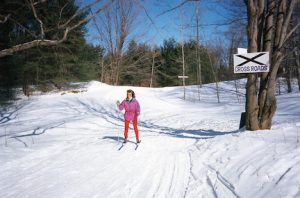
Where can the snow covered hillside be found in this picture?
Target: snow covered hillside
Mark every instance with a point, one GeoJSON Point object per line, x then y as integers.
{"type": "Point", "coordinates": [70, 146]}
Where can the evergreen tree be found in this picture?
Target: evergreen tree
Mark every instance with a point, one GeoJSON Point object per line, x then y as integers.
{"type": "Point", "coordinates": [44, 66]}
{"type": "Point", "coordinates": [171, 67]}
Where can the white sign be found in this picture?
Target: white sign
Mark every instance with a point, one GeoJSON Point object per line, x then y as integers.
{"type": "Point", "coordinates": [242, 50]}
{"type": "Point", "coordinates": [183, 77]}
{"type": "Point", "coordinates": [251, 62]}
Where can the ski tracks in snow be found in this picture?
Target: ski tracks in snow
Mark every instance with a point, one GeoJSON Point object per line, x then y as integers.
{"type": "Point", "coordinates": [188, 150]}
{"type": "Point", "coordinates": [164, 170]}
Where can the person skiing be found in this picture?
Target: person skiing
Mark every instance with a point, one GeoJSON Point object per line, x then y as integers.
{"type": "Point", "coordinates": [132, 111]}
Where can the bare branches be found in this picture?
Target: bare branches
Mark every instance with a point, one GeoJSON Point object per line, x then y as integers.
{"type": "Point", "coordinates": [66, 27]}
{"type": "Point", "coordinates": [291, 32]}
{"type": "Point", "coordinates": [5, 18]}
{"type": "Point", "coordinates": [61, 10]}
{"type": "Point", "coordinates": [92, 16]}
{"type": "Point", "coordinates": [80, 11]}
{"type": "Point", "coordinates": [233, 21]}
{"type": "Point", "coordinates": [176, 7]}
{"type": "Point", "coordinates": [38, 19]}
{"type": "Point", "coordinates": [285, 25]}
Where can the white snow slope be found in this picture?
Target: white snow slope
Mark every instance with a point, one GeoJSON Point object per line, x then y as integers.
{"type": "Point", "coordinates": [70, 146]}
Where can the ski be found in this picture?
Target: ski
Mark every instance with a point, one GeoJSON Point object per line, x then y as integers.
{"type": "Point", "coordinates": [123, 143]}
{"type": "Point", "coordinates": [137, 145]}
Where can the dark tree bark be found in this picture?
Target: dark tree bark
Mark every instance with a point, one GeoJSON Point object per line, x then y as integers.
{"type": "Point", "coordinates": [272, 37]}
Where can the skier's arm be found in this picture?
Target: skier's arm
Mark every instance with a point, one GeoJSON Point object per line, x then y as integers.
{"type": "Point", "coordinates": [138, 109]}
{"type": "Point", "coordinates": [120, 106]}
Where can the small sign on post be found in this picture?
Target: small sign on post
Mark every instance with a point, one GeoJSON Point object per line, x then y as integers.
{"type": "Point", "coordinates": [251, 62]}
{"type": "Point", "coordinates": [183, 77]}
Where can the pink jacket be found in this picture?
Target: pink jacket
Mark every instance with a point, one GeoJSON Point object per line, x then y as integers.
{"type": "Point", "coordinates": [132, 109]}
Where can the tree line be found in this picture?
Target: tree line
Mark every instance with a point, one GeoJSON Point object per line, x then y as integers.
{"type": "Point", "coordinates": [54, 66]}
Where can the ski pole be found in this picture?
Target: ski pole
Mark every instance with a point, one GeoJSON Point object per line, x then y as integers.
{"type": "Point", "coordinates": [118, 103]}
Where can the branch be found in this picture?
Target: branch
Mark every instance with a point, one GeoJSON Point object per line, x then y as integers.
{"type": "Point", "coordinates": [5, 18]}
{"type": "Point", "coordinates": [31, 44]}
{"type": "Point", "coordinates": [44, 42]}
{"type": "Point", "coordinates": [291, 32]}
{"type": "Point", "coordinates": [37, 18]}
{"type": "Point", "coordinates": [176, 7]}
{"type": "Point", "coordinates": [286, 24]}
{"type": "Point", "coordinates": [41, 1]}
{"type": "Point", "coordinates": [79, 12]}
{"type": "Point", "coordinates": [220, 24]}
{"type": "Point", "coordinates": [61, 10]}
{"type": "Point", "coordinates": [91, 16]}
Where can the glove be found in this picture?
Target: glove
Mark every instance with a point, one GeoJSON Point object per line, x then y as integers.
{"type": "Point", "coordinates": [137, 113]}
{"type": "Point", "coordinates": [118, 103]}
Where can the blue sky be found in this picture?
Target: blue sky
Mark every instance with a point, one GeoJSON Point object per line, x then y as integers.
{"type": "Point", "coordinates": [169, 24]}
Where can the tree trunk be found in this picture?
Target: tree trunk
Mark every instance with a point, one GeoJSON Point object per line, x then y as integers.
{"type": "Point", "coordinates": [251, 103]}
{"type": "Point", "coordinates": [259, 116]}
{"type": "Point", "coordinates": [269, 104]}
{"type": "Point", "coordinates": [268, 32]}
{"type": "Point", "coordinates": [102, 69]}
{"type": "Point", "coordinates": [152, 69]}
{"type": "Point", "coordinates": [288, 79]}
{"type": "Point", "coordinates": [298, 68]}
{"type": "Point", "coordinates": [251, 95]}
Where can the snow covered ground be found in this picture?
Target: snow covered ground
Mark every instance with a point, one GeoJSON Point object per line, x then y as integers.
{"type": "Point", "coordinates": [70, 146]}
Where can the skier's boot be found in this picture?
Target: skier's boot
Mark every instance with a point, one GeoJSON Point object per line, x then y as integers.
{"type": "Point", "coordinates": [125, 140]}
{"type": "Point", "coordinates": [138, 141]}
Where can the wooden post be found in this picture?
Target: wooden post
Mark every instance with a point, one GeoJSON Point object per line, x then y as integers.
{"type": "Point", "coordinates": [183, 83]}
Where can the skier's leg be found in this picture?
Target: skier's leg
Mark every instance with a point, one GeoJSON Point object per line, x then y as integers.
{"type": "Point", "coordinates": [136, 131]}
{"type": "Point", "coordinates": [126, 129]}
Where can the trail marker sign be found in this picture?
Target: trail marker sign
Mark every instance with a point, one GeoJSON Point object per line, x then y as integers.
{"type": "Point", "coordinates": [251, 62]}
{"type": "Point", "coordinates": [183, 77]}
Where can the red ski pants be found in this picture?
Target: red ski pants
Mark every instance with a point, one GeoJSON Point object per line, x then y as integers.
{"type": "Point", "coordinates": [136, 131]}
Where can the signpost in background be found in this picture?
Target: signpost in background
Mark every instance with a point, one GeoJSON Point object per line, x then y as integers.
{"type": "Point", "coordinates": [183, 83]}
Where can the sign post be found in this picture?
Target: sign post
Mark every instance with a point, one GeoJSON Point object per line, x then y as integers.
{"type": "Point", "coordinates": [244, 62]}
{"type": "Point", "coordinates": [183, 82]}
{"type": "Point", "coordinates": [251, 62]}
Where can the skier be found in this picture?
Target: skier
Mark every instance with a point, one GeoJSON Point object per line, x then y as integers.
{"type": "Point", "coordinates": [132, 111]}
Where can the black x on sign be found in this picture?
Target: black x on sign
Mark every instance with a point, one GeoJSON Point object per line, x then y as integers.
{"type": "Point", "coordinates": [251, 62]}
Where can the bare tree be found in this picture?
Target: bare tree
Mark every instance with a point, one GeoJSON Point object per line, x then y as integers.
{"type": "Point", "coordinates": [155, 53]}
{"type": "Point", "coordinates": [236, 36]}
{"type": "Point", "coordinates": [215, 73]}
{"type": "Point", "coordinates": [298, 67]}
{"type": "Point", "coordinates": [116, 27]}
{"type": "Point", "coordinates": [199, 73]}
{"type": "Point", "coordinates": [65, 26]}
{"type": "Point", "coordinates": [269, 28]}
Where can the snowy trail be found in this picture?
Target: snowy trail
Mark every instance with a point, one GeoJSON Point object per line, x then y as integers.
{"type": "Point", "coordinates": [70, 146]}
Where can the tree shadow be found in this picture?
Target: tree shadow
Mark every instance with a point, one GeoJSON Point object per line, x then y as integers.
{"type": "Point", "coordinates": [6, 116]}
{"type": "Point", "coordinates": [38, 131]}
{"type": "Point", "coordinates": [98, 110]}
{"type": "Point", "coordinates": [186, 133]}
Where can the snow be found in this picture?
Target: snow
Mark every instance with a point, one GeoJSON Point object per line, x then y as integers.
{"type": "Point", "coordinates": [70, 146]}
